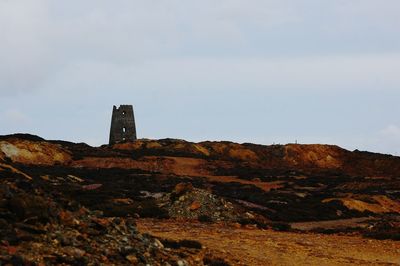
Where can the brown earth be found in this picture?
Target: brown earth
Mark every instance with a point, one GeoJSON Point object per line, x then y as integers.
{"type": "Point", "coordinates": [309, 188]}
{"type": "Point", "coordinates": [250, 246]}
{"type": "Point", "coordinates": [165, 164]}
{"type": "Point", "coordinates": [38, 153]}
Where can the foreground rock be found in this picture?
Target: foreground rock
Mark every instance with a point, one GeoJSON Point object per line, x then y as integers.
{"type": "Point", "coordinates": [37, 228]}
{"type": "Point", "coordinates": [186, 202]}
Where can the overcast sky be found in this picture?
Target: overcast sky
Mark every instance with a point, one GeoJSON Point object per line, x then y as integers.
{"type": "Point", "coordinates": [261, 71]}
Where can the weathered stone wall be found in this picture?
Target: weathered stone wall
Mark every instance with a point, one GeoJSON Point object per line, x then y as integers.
{"type": "Point", "coordinates": [123, 127]}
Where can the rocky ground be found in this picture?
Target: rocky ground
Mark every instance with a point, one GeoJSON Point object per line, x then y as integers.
{"type": "Point", "coordinates": [38, 228]}
{"type": "Point", "coordinates": [67, 203]}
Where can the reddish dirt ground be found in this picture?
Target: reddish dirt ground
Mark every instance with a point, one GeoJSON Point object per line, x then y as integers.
{"type": "Point", "coordinates": [249, 246]}
{"type": "Point", "coordinates": [266, 186]}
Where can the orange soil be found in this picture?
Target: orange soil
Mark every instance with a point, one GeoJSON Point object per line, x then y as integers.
{"type": "Point", "coordinates": [382, 204]}
{"type": "Point", "coordinates": [324, 156]}
{"type": "Point", "coordinates": [241, 246]}
{"type": "Point", "coordinates": [27, 152]}
{"type": "Point", "coordinates": [181, 166]}
{"type": "Point", "coordinates": [266, 186]}
{"type": "Point", "coordinates": [166, 165]}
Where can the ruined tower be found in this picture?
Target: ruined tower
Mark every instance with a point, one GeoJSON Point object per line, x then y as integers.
{"type": "Point", "coordinates": [122, 124]}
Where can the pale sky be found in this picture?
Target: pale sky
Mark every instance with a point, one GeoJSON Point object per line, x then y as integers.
{"type": "Point", "coordinates": [261, 71]}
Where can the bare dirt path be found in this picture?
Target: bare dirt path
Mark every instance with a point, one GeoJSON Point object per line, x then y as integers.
{"type": "Point", "coordinates": [332, 224]}
{"type": "Point", "coordinates": [242, 246]}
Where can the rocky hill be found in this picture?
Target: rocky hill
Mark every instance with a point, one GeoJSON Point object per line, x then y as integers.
{"type": "Point", "coordinates": [53, 188]}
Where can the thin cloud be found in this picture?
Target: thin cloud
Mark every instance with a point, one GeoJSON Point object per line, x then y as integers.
{"type": "Point", "coordinates": [41, 38]}
{"type": "Point", "coordinates": [266, 56]}
{"type": "Point", "coordinates": [392, 132]}
{"type": "Point", "coordinates": [320, 73]}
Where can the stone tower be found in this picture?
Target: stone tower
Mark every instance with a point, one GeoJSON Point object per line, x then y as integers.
{"type": "Point", "coordinates": [122, 124]}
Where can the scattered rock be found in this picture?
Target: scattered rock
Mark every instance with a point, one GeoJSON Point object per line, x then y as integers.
{"type": "Point", "coordinates": [158, 243]}
{"type": "Point", "coordinates": [125, 201]}
{"type": "Point", "coordinates": [42, 221]}
{"type": "Point", "coordinates": [132, 259]}
{"type": "Point", "coordinates": [79, 237]}
{"type": "Point", "coordinates": [200, 204]}
{"type": "Point", "coordinates": [182, 188]}
{"type": "Point", "coordinates": [182, 263]}
{"type": "Point", "coordinates": [194, 206]}
{"type": "Point", "coordinates": [74, 252]}
{"type": "Point", "coordinates": [92, 186]}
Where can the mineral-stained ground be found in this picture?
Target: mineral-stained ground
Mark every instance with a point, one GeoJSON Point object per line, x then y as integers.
{"type": "Point", "coordinates": [172, 202]}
